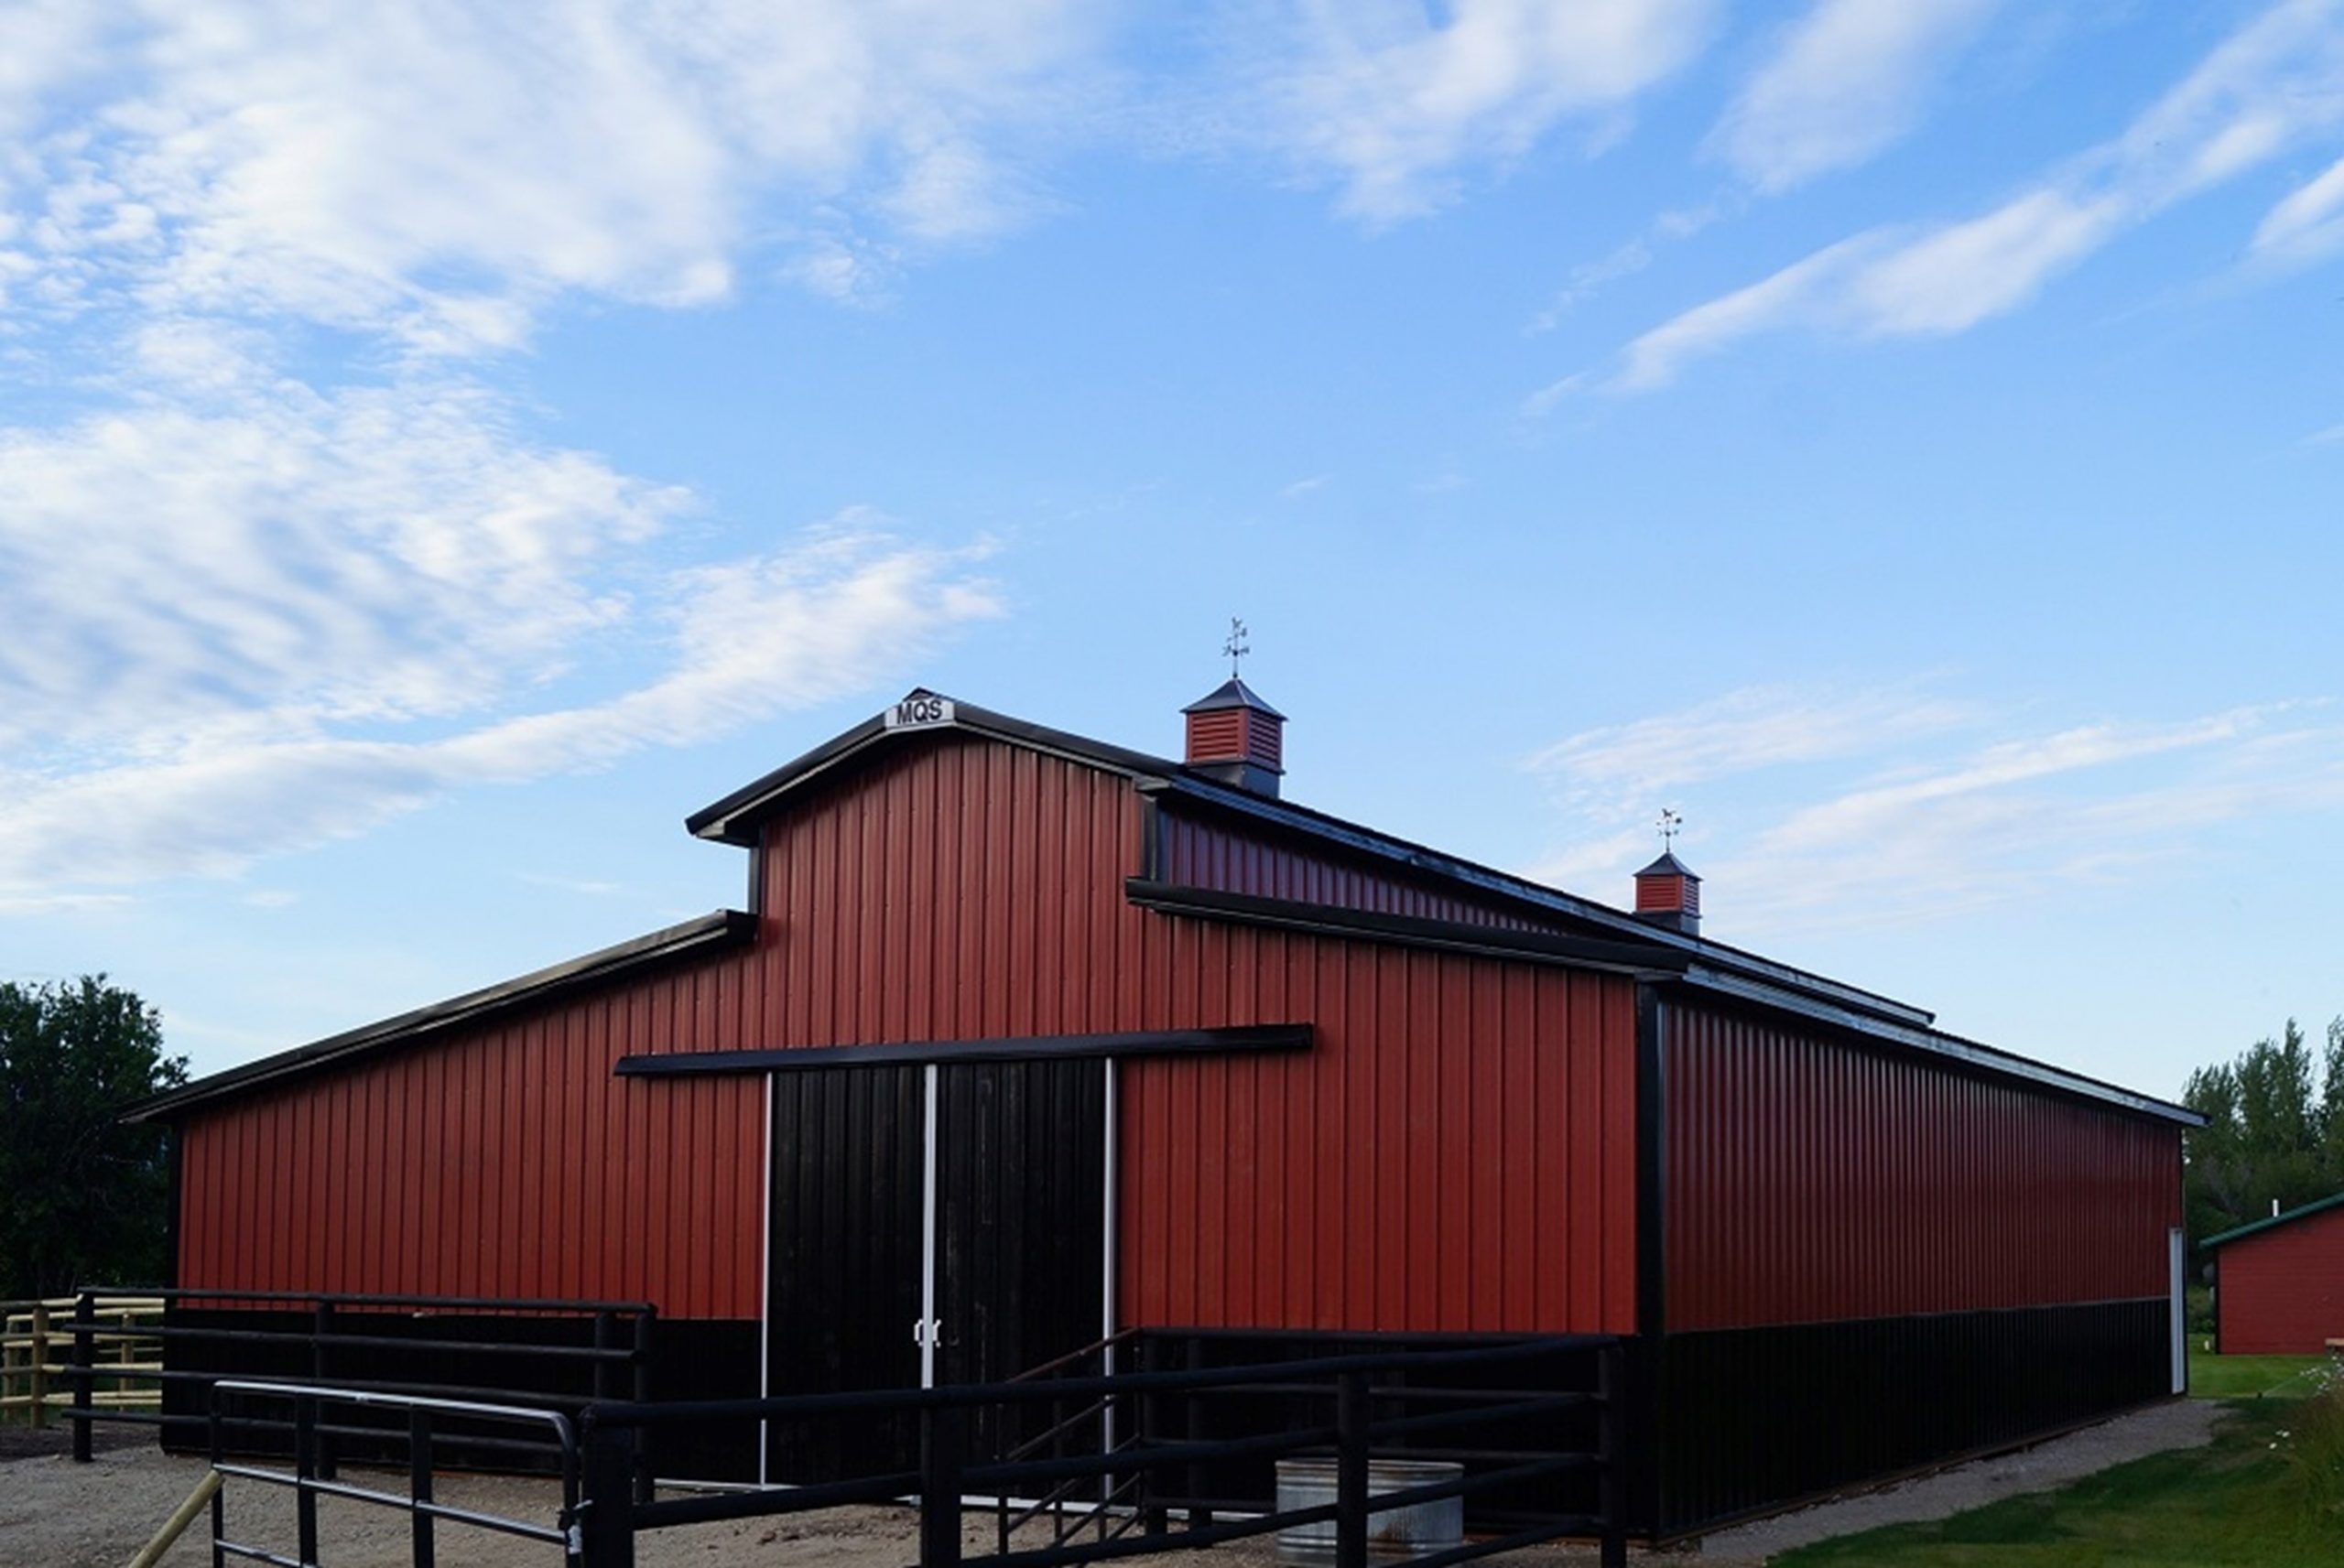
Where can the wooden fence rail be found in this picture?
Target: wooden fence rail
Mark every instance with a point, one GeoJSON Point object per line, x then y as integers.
{"type": "Point", "coordinates": [36, 1354]}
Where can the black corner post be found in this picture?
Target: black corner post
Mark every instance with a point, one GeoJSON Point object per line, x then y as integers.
{"type": "Point", "coordinates": [420, 1522]}
{"type": "Point", "coordinates": [320, 1325]}
{"type": "Point", "coordinates": [1350, 1470]}
{"type": "Point", "coordinates": [1611, 1372]}
{"type": "Point", "coordinates": [646, 1322]}
{"type": "Point", "coordinates": [604, 1530]}
{"type": "Point", "coordinates": [943, 1455]}
{"type": "Point", "coordinates": [85, 1319]}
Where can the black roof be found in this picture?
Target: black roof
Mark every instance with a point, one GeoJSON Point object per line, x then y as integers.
{"type": "Point", "coordinates": [1669, 865]}
{"type": "Point", "coordinates": [1714, 967]}
{"type": "Point", "coordinates": [1605, 936]}
{"type": "Point", "coordinates": [1231, 693]}
{"type": "Point", "coordinates": [711, 932]}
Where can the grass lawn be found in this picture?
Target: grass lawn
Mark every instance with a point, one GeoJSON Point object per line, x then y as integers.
{"type": "Point", "coordinates": [2215, 1376]}
{"type": "Point", "coordinates": [2267, 1493]}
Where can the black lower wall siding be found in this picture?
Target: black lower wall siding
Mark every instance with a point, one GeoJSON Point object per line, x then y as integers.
{"type": "Point", "coordinates": [1752, 1419]}
{"type": "Point", "coordinates": [690, 1359]}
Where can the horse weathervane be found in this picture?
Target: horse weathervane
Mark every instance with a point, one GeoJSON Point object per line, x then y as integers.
{"type": "Point", "coordinates": [1671, 823]}
{"type": "Point", "coordinates": [1236, 647]}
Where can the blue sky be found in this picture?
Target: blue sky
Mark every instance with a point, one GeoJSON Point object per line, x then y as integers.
{"type": "Point", "coordinates": [439, 450]}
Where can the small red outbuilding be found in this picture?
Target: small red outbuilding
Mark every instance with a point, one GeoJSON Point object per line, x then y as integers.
{"type": "Point", "coordinates": [2279, 1282]}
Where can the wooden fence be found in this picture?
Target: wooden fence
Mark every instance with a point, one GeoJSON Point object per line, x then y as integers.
{"type": "Point", "coordinates": [36, 1354]}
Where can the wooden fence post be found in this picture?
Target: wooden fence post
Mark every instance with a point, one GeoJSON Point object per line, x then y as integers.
{"type": "Point", "coordinates": [40, 1364]}
{"type": "Point", "coordinates": [85, 1310]}
{"type": "Point", "coordinates": [1613, 1383]}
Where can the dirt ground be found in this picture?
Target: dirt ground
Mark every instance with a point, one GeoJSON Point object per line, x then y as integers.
{"type": "Point", "coordinates": [57, 1514]}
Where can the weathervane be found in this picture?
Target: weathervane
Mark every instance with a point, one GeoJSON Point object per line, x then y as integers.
{"type": "Point", "coordinates": [1671, 823]}
{"type": "Point", "coordinates": [1236, 647]}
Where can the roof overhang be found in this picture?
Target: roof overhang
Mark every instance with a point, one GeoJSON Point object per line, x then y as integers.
{"type": "Point", "coordinates": [713, 933]}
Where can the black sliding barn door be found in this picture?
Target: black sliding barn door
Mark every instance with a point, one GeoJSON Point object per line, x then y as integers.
{"type": "Point", "coordinates": [844, 1262]}
{"type": "Point", "coordinates": [1018, 1247]}
{"type": "Point", "coordinates": [1020, 1212]}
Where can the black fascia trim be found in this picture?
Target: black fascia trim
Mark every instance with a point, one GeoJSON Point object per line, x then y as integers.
{"type": "Point", "coordinates": [1533, 895]}
{"type": "Point", "coordinates": [1408, 930]}
{"type": "Point", "coordinates": [713, 932]}
{"type": "Point", "coordinates": [733, 819]}
{"type": "Point", "coordinates": [1937, 1043]}
{"type": "Point", "coordinates": [1238, 1039]}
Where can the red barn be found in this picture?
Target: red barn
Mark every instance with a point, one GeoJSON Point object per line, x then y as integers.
{"type": "Point", "coordinates": [2279, 1282]}
{"type": "Point", "coordinates": [1025, 1037]}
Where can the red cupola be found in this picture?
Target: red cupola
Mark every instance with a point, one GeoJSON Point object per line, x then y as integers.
{"type": "Point", "coordinates": [1669, 895]}
{"type": "Point", "coordinates": [1235, 737]}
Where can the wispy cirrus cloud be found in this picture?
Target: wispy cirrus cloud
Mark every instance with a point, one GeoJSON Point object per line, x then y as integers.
{"type": "Point", "coordinates": [2307, 224]}
{"type": "Point", "coordinates": [1904, 809]}
{"type": "Point", "coordinates": [1394, 102]}
{"type": "Point", "coordinates": [270, 584]}
{"type": "Point", "coordinates": [2276, 83]}
{"type": "Point", "coordinates": [1847, 80]}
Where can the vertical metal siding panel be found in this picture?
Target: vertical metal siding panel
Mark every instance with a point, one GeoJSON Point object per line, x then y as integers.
{"type": "Point", "coordinates": [1812, 1181]}
{"type": "Point", "coordinates": [1517, 1124]}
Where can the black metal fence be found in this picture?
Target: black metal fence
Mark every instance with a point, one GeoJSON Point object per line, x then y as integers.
{"type": "Point", "coordinates": [1102, 1462]}
{"type": "Point", "coordinates": [311, 1415]}
{"type": "Point", "coordinates": [558, 1355]}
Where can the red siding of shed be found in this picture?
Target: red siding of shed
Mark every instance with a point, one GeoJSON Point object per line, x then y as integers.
{"type": "Point", "coordinates": [1810, 1181]}
{"type": "Point", "coordinates": [2281, 1292]}
{"type": "Point", "coordinates": [1456, 1151]}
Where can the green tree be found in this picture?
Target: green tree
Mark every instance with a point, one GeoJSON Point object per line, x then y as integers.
{"type": "Point", "coordinates": [83, 1196]}
{"type": "Point", "coordinates": [2275, 1130]}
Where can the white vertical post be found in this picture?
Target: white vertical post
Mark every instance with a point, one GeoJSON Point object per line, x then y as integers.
{"type": "Point", "coordinates": [928, 1326]}
{"type": "Point", "coordinates": [2175, 1255]}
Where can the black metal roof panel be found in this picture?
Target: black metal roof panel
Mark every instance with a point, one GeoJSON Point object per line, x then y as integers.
{"type": "Point", "coordinates": [1231, 693]}
{"type": "Point", "coordinates": [709, 933]}
{"type": "Point", "coordinates": [1669, 865]}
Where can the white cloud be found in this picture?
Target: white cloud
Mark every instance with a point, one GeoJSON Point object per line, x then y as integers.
{"type": "Point", "coordinates": [2309, 224]}
{"type": "Point", "coordinates": [1393, 100]}
{"type": "Point", "coordinates": [1848, 78]}
{"type": "Point", "coordinates": [443, 170]}
{"type": "Point", "coordinates": [156, 794]}
{"type": "Point", "coordinates": [1898, 810]}
{"type": "Point", "coordinates": [2274, 84]}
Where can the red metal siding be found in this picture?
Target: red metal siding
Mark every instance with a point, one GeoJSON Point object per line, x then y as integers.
{"type": "Point", "coordinates": [1457, 1152]}
{"type": "Point", "coordinates": [1810, 1181]}
{"type": "Point", "coordinates": [2281, 1292]}
{"type": "Point", "coordinates": [501, 1161]}
{"type": "Point", "coordinates": [1338, 1188]}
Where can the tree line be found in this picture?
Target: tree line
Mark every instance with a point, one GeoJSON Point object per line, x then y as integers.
{"type": "Point", "coordinates": [2275, 1130]}
{"type": "Point", "coordinates": [83, 1197]}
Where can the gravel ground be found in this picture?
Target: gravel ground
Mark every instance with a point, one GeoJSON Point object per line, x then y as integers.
{"type": "Point", "coordinates": [57, 1514]}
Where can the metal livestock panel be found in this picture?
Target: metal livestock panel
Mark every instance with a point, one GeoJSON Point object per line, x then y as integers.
{"type": "Point", "coordinates": [1810, 1179]}
{"type": "Point", "coordinates": [2281, 1292]}
{"type": "Point", "coordinates": [503, 1161]}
